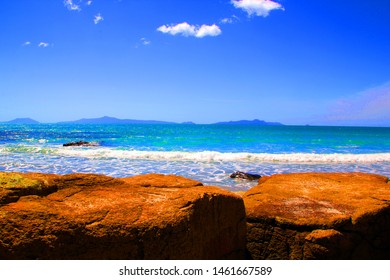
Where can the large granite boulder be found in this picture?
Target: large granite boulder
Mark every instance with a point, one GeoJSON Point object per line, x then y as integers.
{"type": "Point", "coordinates": [319, 216]}
{"type": "Point", "coordinates": [83, 216]}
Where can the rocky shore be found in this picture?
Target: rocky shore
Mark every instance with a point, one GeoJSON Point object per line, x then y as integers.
{"type": "Point", "coordinates": [292, 216]}
{"type": "Point", "coordinates": [319, 216]}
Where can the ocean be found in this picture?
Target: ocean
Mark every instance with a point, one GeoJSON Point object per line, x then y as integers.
{"type": "Point", "coordinates": [207, 153]}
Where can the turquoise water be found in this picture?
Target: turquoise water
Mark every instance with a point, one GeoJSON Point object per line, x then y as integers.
{"type": "Point", "coordinates": [208, 153]}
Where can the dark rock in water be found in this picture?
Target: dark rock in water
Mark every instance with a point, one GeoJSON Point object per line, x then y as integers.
{"type": "Point", "coordinates": [80, 143]}
{"type": "Point", "coordinates": [246, 176]}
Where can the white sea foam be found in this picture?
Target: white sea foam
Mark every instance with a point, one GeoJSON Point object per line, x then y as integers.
{"type": "Point", "coordinates": [208, 156]}
{"type": "Point", "coordinates": [208, 167]}
{"type": "Point", "coordinates": [205, 156]}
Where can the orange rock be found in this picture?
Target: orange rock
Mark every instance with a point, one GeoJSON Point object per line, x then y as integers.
{"type": "Point", "coordinates": [83, 216]}
{"type": "Point", "coordinates": [319, 216]}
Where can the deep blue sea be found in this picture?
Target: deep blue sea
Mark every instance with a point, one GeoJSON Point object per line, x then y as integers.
{"type": "Point", "coordinates": [208, 153]}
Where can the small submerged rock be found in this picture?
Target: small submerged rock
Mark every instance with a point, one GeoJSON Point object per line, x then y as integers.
{"type": "Point", "coordinates": [246, 176]}
{"type": "Point", "coordinates": [81, 143]}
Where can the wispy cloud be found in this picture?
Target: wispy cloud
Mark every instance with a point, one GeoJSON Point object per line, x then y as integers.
{"type": "Point", "coordinates": [40, 44]}
{"type": "Point", "coordinates": [43, 45]}
{"type": "Point", "coordinates": [145, 41]}
{"type": "Point", "coordinates": [229, 20]}
{"type": "Point", "coordinates": [72, 6]}
{"type": "Point", "coordinates": [257, 7]}
{"type": "Point", "coordinates": [98, 18]}
{"type": "Point", "coordinates": [89, 3]}
{"type": "Point", "coordinates": [142, 42]}
{"type": "Point", "coordinates": [187, 30]}
{"type": "Point", "coordinates": [371, 105]}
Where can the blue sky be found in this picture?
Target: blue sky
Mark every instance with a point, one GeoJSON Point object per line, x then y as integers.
{"type": "Point", "coordinates": [293, 61]}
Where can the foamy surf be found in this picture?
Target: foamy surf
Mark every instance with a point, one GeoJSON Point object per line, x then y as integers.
{"type": "Point", "coordinates": [204, 156]}
{"type": "Point", "coordinates": [206, 153]}
{"type": "Point", "coordinates": [212, 156]}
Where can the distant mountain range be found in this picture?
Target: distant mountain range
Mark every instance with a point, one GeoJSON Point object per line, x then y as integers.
{"type": "Point", "coordinates": [111, 120]}
{"type": "Point", "coordinates": [254, 122]}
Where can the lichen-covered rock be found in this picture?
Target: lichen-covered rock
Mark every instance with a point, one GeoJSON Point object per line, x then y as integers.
{"type": "Point", "coordinates": [15, 185]}
{"type": "Point", "coordinates": [319, 216]}
{"type": "Point", "coordinates": [84, 216]}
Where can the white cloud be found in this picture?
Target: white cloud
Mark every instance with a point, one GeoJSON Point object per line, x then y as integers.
{"type": "Point", "coordinates": [208, 30]}
{"type": "Point", "coordinates": [27, 43]}
{"type": "Point", "coordinates": [70, 5]}
{"type": "Point", "coordinates": [43, 45]}
{"type": "Point", "coordinates": [98, 18]}
{"type": "Point", "coordinates": [371, 105]}
{"type": "Point", "coordinates": [187, 30]}
{"type": "Point", "coordinates": [182, 28]}
{"type": "Point", "coordinates": [257, 7]}
{"type": "Point", "coordinates": [89, 3]}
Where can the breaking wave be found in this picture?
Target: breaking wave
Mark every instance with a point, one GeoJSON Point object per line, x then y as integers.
{"type": "Point", "coordinates": [205, 156]}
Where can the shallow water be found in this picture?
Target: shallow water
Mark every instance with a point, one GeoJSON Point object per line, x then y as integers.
{"type": "Point", "coordinates": [208, 153]}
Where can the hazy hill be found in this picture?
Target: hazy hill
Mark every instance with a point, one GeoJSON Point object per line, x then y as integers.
{"type": "Point", "coordinates": [111, 120]}
{"type": "Point", "coordinates": [253, 122]}
{"type": "Point", "coordinates": [23, 121]}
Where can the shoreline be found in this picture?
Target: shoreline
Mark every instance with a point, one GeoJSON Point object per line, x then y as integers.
{"type": "Point", "coordinates": [206, 153]}
{"type": "Point", "coordinates": [214, 173]}
{"type": "Point", "coordinates": [210, 172]}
